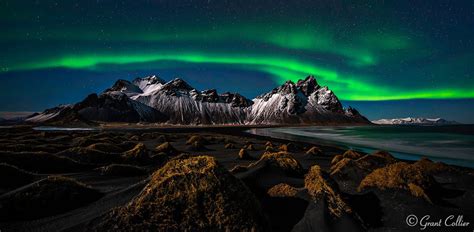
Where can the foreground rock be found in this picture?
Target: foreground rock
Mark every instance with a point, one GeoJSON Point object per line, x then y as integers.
{"type": "Point", "coordinates": [189, 194]}
{"type": "Point", "coordinates": [46, 197]}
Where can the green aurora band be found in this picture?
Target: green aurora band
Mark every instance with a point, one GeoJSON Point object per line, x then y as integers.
{"type": "Point", "coordinates": [347, 86]}
{"type": "Point", "coordinates": [364, 52]}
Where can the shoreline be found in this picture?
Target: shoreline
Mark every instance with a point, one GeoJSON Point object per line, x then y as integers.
{"type": "Point", "coordinates": [240, 130]}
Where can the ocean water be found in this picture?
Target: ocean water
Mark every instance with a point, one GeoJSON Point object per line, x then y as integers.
{"type": "Point", "coordinates": [453, 144]}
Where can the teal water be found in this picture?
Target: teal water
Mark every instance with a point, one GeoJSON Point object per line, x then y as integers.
{"type": "Point", "coordinates": [452, 144]}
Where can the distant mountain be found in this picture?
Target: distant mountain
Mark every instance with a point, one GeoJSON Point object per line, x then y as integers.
{"type": "Point", "coordinates": [151, 99]}
{"type": "Point", "coordinates": [414, 121]}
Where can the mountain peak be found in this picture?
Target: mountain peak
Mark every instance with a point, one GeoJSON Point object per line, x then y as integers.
{"type": "Point", "coordinates": [124, 86]}
{"type": "Point", "coordinates": [210, 95]}
{"type": "Point", "coordinates": [148, 80]}
{"type": "Point", "coordinates": [308, 85]}
{"type": "Point", "coordinates": [236, 99]}
{"type": "Point", "coordinates": [287, 88]}
{"type": "Point", "coordinates": [177, 84]}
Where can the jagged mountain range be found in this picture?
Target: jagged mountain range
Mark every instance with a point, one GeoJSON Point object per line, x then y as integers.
{"type": "Point", "coordinates": [151, 99]}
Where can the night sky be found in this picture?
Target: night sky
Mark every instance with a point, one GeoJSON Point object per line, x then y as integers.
{"type": "Point", "coordinates": [387, 58]}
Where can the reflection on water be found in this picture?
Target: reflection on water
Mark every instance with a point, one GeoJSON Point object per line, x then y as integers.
{"type": "Point", "coordinates": [450, 144]}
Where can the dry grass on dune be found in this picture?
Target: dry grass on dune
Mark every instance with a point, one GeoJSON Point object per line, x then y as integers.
{"type": "Point", "coordinates": [402, 176]}
{"type": "Point", "coordinates": [249, 147]}
{"type": "Point", "coordinates": [351, 154]}
{"type": "Point", "coordinates": [336, 159]}
{"type": "Point", "coordinates": [85, 141]}
{"type": "Point", "coordinates": [229, 146]}
{"type": "Point", "coordinates": [189, 194]}
{"type": "Point", "coordinates": [46, 197]}
{"type": "Point", "coordinates": [268, 144]}
{"type": "Point", "coordinates": [283, 161]}
{"type": "Point", "coordinates": [372, 162]}
{"type": "Point", "coordinates": [244, 155]}
{"type": "Point", "coordinates": [384, 155]}
{"type": "Point", "coordinates": [320, 189]}
{"type": "Point", "coordinates": [289, 147]}
{"type": "Point", "coordinates": [167, 148]}
{"type": "Point", "coordinates": [196, 138]}
{"type": "Point", "coordinates": [431, 167]}
{"type": "Point", "coordinates": [138, 154]}
{"type": "Point", "coordinates": [352, 161]}
{"type": "Point", "coordinates": [314, 151]}
{"type": "Point", "coordinates": [282, 190]}
{"type": "Point", "coordinates": [327, 210]}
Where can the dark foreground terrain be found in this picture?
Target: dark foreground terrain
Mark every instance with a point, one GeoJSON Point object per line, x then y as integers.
{"type": "Point", "coordinates": [218, 179]}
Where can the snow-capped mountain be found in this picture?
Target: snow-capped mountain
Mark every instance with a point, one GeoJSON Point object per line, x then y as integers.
{"type": "Point", "coordinates": [414, 121]}
{"type": "Point", "coordinates": [184, 104]}
{"type": "Point", "coordinates": [302, 103]}
{"type": "Point", "coordinates": [150, 99]}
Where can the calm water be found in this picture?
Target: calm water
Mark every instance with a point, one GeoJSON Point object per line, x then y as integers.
{"type": "Point", "coordinates": [450, 144]}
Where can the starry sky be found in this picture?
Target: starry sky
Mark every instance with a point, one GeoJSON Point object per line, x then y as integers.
{"type": "Point", "coordinates": [387, 58]}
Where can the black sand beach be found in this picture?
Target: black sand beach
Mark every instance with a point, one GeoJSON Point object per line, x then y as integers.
{"type": "Point", "coordinates": [216, 178]}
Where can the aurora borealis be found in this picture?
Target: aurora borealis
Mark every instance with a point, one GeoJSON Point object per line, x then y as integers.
{"type": "Point", "coordinates": [371, 51]}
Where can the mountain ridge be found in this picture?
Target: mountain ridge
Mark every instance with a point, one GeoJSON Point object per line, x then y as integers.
{"type": "Point", "coordinates": [151, 99]}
